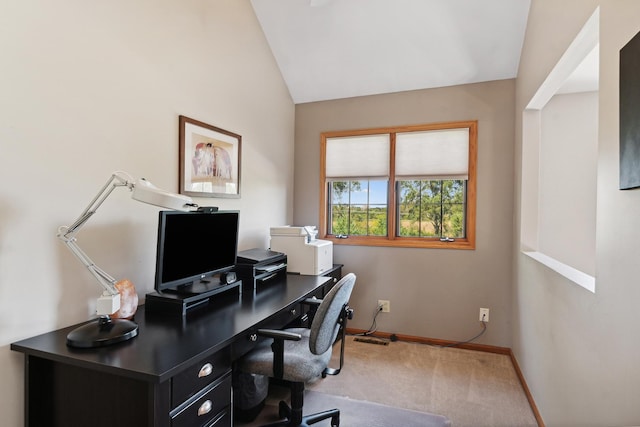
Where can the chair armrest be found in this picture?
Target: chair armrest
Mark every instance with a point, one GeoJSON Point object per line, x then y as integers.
{"type": "Point", "coordinates": [312, 301]}
{"type": "Point", "coordinates": [279, 334]}
{"type": "Point", "coordinates": [313, 304]}
{"type": "Point", "coordinates": [277, 347]}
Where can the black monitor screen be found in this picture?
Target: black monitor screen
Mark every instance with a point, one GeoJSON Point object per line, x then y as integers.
{"type": "Point", "coordinates": [193, 246]}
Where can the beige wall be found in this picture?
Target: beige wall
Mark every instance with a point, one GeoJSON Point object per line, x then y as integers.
{"type": "Point", "coordinates": [92, 87]}
{"type": "Point", "coordinates": [434, 293]}
{"type": "Point", "coordinates": [579, 350]}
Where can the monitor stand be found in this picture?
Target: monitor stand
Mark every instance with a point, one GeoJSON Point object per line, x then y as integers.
{"type": "Point", "coordinates": [187, 297]}
{"type": "Point", "coordinates": [198, 287]}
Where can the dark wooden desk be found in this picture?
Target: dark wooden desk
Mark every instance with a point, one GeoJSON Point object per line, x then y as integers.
{"type": "Point", "coordinates": [176, 367]}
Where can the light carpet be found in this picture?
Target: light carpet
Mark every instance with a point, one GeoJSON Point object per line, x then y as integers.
{"type": "Point", "coordinates": [470, 388]}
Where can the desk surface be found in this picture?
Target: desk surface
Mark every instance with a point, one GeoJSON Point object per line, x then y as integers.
{"type": "Point", "coordinates": [166, 344]}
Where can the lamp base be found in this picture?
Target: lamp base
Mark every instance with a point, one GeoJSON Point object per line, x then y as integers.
{"type": "Point", "coordinates": [105, 331]}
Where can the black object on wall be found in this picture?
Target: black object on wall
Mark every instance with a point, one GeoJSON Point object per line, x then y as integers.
{"type": "Point", "coordinates": [630, 114]}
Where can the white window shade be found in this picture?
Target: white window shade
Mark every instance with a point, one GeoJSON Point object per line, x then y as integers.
{"type": "Point", "coordinates": [357, 157]}
{"type": "Point", "coordinates": [437, 154]}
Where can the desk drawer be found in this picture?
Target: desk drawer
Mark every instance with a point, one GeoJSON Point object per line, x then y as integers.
{"type": "Point", "coordinates": [198, 376]}
{"type": "Point", "coordinates": [206, 409]}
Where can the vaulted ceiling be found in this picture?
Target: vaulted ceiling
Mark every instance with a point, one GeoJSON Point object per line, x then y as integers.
{"type": "Point", "coordinates": [331, 49]}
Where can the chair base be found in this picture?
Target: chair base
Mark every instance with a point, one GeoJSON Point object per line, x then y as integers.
{"type": "Point", "coordinates": [292, 418]}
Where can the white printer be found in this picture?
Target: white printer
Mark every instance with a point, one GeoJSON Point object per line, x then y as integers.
{"type": "Point", "coordinates": [305, 254]}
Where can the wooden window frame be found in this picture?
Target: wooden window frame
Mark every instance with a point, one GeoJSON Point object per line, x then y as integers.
{"type": "Point", "coordinates": [468, 242]}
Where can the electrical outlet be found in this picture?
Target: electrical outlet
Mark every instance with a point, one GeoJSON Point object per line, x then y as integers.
{"type": "Point", "coordinates": [385, 304]}
{"type": "Point", "coordinates": [484, 315]}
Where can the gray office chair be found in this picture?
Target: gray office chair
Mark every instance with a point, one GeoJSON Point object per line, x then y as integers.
{"type": "Point", "coordinates": [299, 355]}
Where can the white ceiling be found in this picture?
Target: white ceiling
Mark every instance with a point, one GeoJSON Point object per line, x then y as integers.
{"type": "Point", "coordinates": [331, 49]}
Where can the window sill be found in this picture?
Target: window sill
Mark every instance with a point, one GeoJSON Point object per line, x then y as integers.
{"type": "Point", "coordinates": [576, 276]}
{"type": "Point", "coordinates": [401, 243]}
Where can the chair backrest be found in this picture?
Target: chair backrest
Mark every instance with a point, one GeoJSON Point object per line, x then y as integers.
{"type": "Point", "coordinates": [325, 326]}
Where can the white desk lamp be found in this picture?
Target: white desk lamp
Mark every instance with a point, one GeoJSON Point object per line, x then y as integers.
{"type": "Point", "coordinates": [108, 330]}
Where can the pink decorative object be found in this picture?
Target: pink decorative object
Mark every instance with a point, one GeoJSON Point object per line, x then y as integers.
{"type": "Point", "coordinates": [128, 300]}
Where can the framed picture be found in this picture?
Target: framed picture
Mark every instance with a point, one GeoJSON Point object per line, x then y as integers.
{"type": "Point", "coordinates": [209, 160]}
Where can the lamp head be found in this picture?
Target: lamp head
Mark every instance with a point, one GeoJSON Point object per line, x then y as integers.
{"type": "Point", "coordinates": [146, 192]}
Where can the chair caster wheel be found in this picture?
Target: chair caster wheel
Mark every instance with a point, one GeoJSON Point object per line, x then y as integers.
{"type": "Point", "coordinates": [283, 410]}
{"type": "Point", "coordinates": [335, 421]}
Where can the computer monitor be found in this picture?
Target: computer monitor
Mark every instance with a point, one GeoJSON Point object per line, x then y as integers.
{"type": "Point", "coordinates": [194, 248]}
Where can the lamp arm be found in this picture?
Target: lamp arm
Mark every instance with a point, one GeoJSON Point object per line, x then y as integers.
{"type": "Point", "coordinates": [107, 281]}
{"type": "Point", "coordinates": [112, 183]}
{"type": "Point", "coordinates": [67, 233]}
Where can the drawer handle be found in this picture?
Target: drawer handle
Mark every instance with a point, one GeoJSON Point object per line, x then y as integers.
{"type": "Point", "coordinates": [293, 312]}
{"type": "Point", "coordinates": [253, 337]}
{"type": "Point", "coordinates": [206, 370]}
{"type": "Point", "coordinates": [205, 408]}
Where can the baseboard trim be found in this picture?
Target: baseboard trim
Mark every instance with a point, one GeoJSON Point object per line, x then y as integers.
{"type": "Point", "coordinates": [525, 387]}
{"type": "Point", "coordinates": [467, 346]}
{"type": "Point", "coordinates": [434, 341]}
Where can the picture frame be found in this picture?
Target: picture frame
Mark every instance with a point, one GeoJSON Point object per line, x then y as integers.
{"type": "Point", "coordinates": [209, 160]}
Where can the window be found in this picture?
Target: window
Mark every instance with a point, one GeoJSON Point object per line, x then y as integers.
{"type": "Point", "coordinates": [411, 186]}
